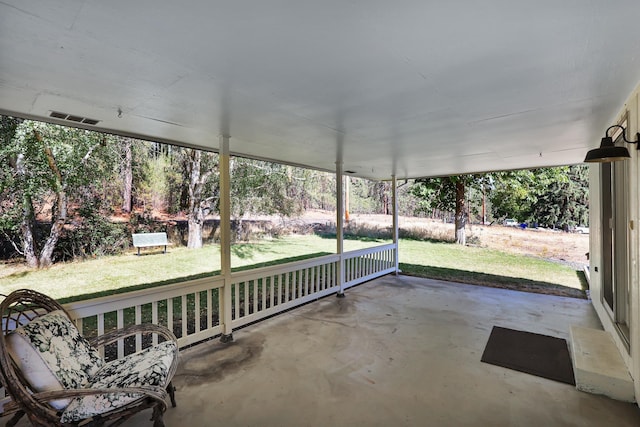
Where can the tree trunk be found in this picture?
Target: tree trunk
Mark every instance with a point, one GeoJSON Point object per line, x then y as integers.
{"type": "Point", "coordinates": [460, 214]}
{"type": "Point", "coordinates": [44, 257]}
{"type": "Point", "coordinates": [27, 225]}
{"type": "Point", "coordinates": [127, 174]}
{"type": "Point", "coordinates": [59, 210]}
{"type": "Point", "coordinates": [59, 219]}
{"type": "Point", "coordinates": [195, 214]}
{"type": "Point", "coordinates": [27, 231]}
{"type": "Point", "coordinates": [195, 231]}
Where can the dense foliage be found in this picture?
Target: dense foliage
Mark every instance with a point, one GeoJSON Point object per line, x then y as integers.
{"type": "Point", "coordinates": [545, 197]}
{"type": "Point", "coordinates": [548, 197]}
{"type": "Point", "coordinates": [68, 193]}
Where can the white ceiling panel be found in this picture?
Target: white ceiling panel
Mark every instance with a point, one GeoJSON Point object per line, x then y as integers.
{"type": "Point", "coordinates": [411, 88]}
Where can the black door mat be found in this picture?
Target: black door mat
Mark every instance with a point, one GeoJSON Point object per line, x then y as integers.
{"type": "Point", "coordinates": [535, 354]}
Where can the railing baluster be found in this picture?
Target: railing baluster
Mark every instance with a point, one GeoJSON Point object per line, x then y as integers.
{"type": "Point", "coordinates": [120, 325]}
{"type": "Point", "coordinates": [218, 298]}
{"type": "Point", "coordinates": [256, 294]}
{"type": "Point", "coordinates": [247, 299]}
{"type": "Point", "coordinates": [183, 314]}
{"type": "Point", "coordinates": [367, 260]}
{"type": "Point", "coordinates": [280, 287]}
{"type": "Point", "coordinates": [80, 327]}
{"type": "Point", "coordinates": [170, 314]}
{"type": "Point", "coordinates": [352, 269]}
{"type": "Point", "coordinates": [196, 312]}
{"type": "Point", "coordinates": [236, 302]}
{"type": "Point", "coordinates": [332, 275]}
{"type": "Point", "coordinates": [301, 278]}
{"type": "Point", "coordinates": [100, 327]}
{"type": "Point", "coordinates": [154, 320]}
{"type": "Point", "coordinates": [138, 321]}
{"type": "Point", "coordinates": [362, 271]}
{"type": "Point", "coordinates": [287, 276]}
{"type": "Point", "coordinates": [210, 308]}
{"type": "Point", "coordinates": [314, 279]}
{"type": "Point", "coordinates": [272, 289]}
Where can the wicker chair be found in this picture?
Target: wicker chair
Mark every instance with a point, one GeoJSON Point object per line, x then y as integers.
{"type": "Point", "coordinates": [27, 313]}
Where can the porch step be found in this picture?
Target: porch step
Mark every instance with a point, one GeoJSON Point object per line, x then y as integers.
{"type": "Point", "coordinates": [598, 365]}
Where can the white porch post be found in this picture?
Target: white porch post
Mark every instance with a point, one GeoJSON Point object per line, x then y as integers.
{"type": "Point", "coordinates": [225, 239]}
{"type": "Point", "coordinates": [394, 201]}
{"type": "Point", "coordinates": [339, 228]}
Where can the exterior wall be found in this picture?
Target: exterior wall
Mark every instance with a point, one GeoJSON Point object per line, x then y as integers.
{"type": "Point", "coordinates": [631, 187]}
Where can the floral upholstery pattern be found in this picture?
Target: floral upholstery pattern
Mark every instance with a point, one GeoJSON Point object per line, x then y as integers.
{"type": "Point", "coordinates": [148, 367]}
{"type": "Point", "coordinates": [53, 355]}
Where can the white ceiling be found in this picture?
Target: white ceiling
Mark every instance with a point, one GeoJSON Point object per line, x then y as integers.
{"type": "Point", "coordinates": [406, 87]}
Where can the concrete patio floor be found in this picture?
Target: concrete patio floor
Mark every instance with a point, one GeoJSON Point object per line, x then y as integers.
{"type": "Point", "coordinates": [397, 351]}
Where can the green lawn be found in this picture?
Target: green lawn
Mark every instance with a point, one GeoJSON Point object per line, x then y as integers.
{"type": "Point", "coordinates": [488, 267]}
{"type": "Point", "coordinates": [438, 260]}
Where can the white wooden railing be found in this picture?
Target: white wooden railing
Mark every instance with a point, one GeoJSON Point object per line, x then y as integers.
{"type": "Point", "coordinates": [366, 264]}
{"type": "Point", "coordinates": [262, 292]}
{"type": "Point", "coordinates": [192, 309]}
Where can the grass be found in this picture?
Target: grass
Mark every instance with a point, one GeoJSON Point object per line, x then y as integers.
{"type": "Point", "coordinates": [446, 261]}
{"type": "Point", "coordinates": [108, 275]}
{"type": "Point", "coordinates": [489, 267]}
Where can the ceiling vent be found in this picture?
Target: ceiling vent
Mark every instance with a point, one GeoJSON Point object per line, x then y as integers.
{"type": "Point", "coordinates": [72, 118]}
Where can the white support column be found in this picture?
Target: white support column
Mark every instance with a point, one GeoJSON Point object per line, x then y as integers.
{"type": "Point", "coordinates": [394, 201]}
{"type": "Point", "coordinates": [225, 239]}
{"type": "Point", "coordinates": [339, 227]}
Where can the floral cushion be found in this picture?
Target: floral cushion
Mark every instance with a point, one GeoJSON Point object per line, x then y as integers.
{"type": "Point", "coordinates": [148, 367]}
{"type": "Point", "coordinates": [52, 355]}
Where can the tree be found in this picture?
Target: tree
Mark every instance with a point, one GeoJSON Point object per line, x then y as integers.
{"type": "Point", "coordinates": [552, 197]}
{"type": "Point", "coordinates": [8, 221]}
{"type": "Point", "coordinates": [127, 173]}
{"type": "Point", "coordinates": [44, 166]}
{"type": "Point", "coordinates": [562, 200]}
{"type": "Point", "coordinates": [159, 182]}
{"type": "Point", "coordinates": [513, 193]}
{"type": "Point", "coordinates": [201, 168]}
{"type": "Point", "coordinates": [266, 188]}
{"type": "Point", "coordinates": [447, 194]}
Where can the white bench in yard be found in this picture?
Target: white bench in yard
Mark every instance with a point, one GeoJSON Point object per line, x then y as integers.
{"type": "Point", "coordinates": [145, 240]}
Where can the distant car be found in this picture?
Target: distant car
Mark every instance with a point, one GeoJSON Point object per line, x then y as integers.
{"type": "Point", "coordinates": [581, 230]}
{"type": "Point", "coordinates": [510, 222]}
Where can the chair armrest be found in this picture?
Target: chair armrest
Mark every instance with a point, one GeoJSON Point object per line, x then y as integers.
{"type": "Point", "coordinates": [118, 334]}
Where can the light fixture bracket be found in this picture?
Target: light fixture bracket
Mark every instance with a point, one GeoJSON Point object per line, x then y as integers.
{"type": "Point", "coordinates": [624, 135]}
{"type": "Point", "coordinates": [608, 151]}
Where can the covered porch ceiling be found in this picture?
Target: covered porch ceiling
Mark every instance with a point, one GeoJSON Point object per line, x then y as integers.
{"type": "Point", "coordinates": [408, 88]}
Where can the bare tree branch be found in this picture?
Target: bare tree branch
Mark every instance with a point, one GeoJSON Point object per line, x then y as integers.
{"type": "Point", "coordinates": [10, 240]}
{"type": "Point", "coordinates": [88, 153]}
